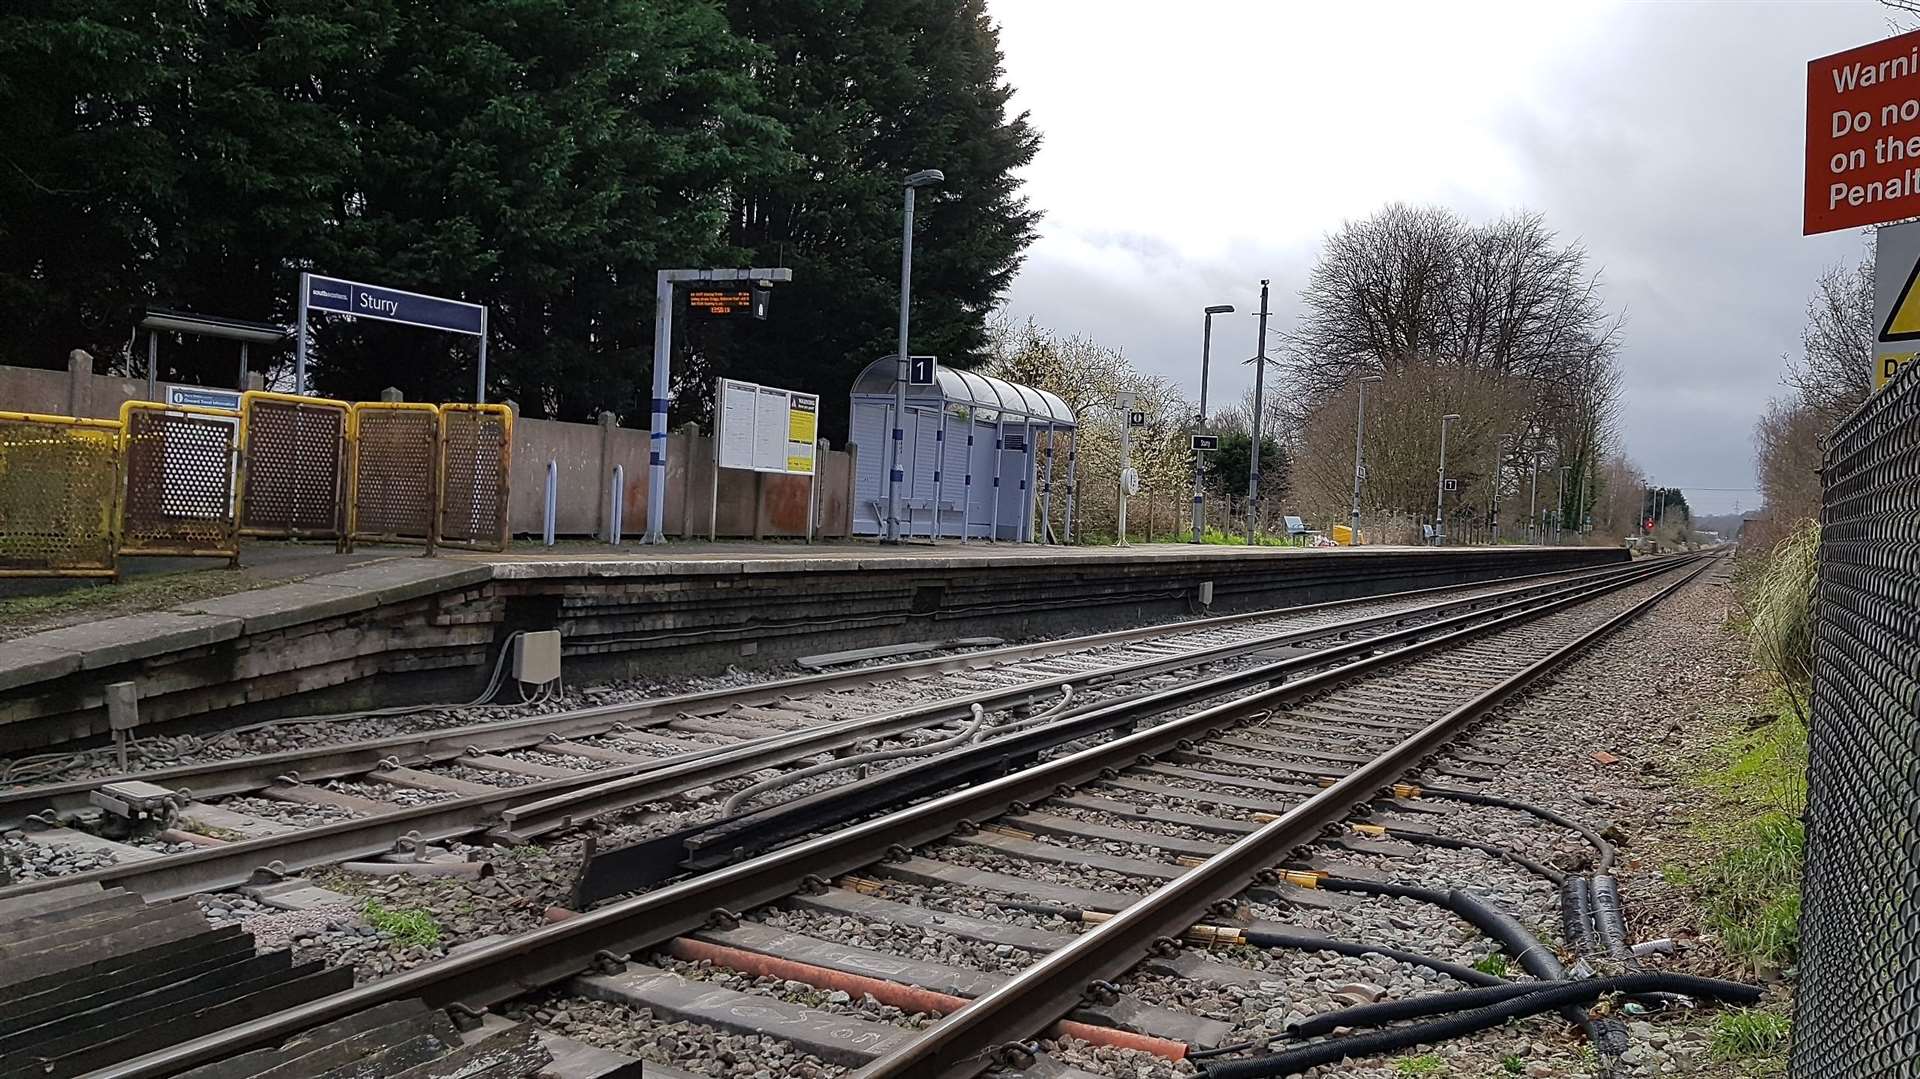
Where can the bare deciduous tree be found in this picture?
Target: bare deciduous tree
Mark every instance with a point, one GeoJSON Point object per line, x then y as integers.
{"type": "Point", "coordinates": [1834, 371]}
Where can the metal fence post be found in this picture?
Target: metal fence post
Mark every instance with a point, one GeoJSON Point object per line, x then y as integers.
{"type": "Point", "coordinates": [617, 503]}
{"type": "Point", "coordinates": [553, 501]}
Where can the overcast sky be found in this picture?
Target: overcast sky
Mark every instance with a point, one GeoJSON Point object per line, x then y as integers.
{"type": "Point", "coordinates": [1192, 149]}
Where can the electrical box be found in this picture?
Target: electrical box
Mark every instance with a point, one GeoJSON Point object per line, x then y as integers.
{"type": "Point", "coordinates": [536, 657]}
{"type": "Point", "coordinates": [1206, 593]}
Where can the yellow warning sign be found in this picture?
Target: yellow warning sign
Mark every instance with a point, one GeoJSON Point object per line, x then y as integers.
{"type": "Point", "coordinates": [1896, 296]}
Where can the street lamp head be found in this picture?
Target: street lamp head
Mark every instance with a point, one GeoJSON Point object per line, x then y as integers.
{"type": "Point", "coordinates": [925, 177]}
{"type": "Point", "coordinates": [1220, 309]}
{"type": "Point", "coordinates": [1373, 378]}
{"type": "Point", "coordinates": [1451, 416]}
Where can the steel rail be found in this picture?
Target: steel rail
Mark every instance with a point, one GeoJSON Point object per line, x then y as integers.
{"type": "Point", "coordinates": [493, 973]}
{"type": "Point", "coordinates": [618, 792]}
{"type": "Point", "coordinates": [965, 1042]}
{"type": "Point", "coordinates": [532, 810]}
{"type": "Point", "coordinates": [220, 778]}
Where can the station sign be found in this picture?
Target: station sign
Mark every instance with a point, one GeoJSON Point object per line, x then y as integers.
{"type": "Point", "coordinates": [923, 370]}
{"type": "Point", "coordinates": [1863, 136]}
{"type": "Point", "coordinates": [1896, 299]}
{"type": "Point", "coordinates": [199, 397]}
{"type": "Point", "coordinates": [1205, 442]}
{"type": "Point", "coordinates": [343, 297]}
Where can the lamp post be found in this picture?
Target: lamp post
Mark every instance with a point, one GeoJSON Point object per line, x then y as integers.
{"type": "Point", "coordinates": [1533, 503]}
{"type": "Point", "coordinates": [1560, 519]}
{"type": "Point", "coordinates": [1359, 458]}
{"type": "Point", "coordinates": [894, 475]}
{"type": "Point", "coordinates": [1440, 499]}
{"type": "Point", "coordinates": [1499, 457]}
{"type": "Point", "coordinates": [1259, 406]}
{"type": "Point", "coordinates": [1206, 349]}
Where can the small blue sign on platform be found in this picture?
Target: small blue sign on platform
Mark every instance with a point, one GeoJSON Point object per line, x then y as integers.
{"type": "Point", "coordinates": [197, 397]}
{"type": "Point", "coordinates": [1206, 442]}
{"type": "Point", "coordinates": [921, 370]}
{"type": "Point", "coordinates": [394, 305]}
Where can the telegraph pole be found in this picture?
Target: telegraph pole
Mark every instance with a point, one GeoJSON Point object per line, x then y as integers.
{"type": "Point", "coordinates": [1259, 406]}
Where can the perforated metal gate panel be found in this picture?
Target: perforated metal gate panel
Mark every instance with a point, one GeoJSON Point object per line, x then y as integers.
{"type": "Point", "coordinates": [1857, 1010]}
{"type": "Point", "coordinates": [58, 480]}
{"type": "Point", "coordinates": [180, 480]}
{"type": "Point", "coordinates": [394, 451]}
{"type": "Point", "coordinates": [295, 466]}
{"type": "Point", "coordinates": [475, 464]}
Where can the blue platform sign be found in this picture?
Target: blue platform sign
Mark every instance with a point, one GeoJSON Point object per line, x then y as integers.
{"type": "Point", "coordinates": [197, 397]}
{"type": "Point", "coordinates": [920, 370]}
{"type": "Point", "coordinates": [393, 305]}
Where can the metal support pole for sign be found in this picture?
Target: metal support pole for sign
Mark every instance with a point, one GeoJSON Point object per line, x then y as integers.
{"type": "Point", "coordinates": [480, 378]}
{"type": "Point", "coordinates": [1126, 462]}
{"type": "Point", "coordinates": [1440, 498]}
{"type": "Point", "coordinates": [1073, 456]}
{"type": "Point", "coordinates": [1046, 491]}
{"type": "Point", "coordinates": [153, 359]}
{"type": "Point", "coordinates": [300, 338]}
{"type": "Point", "coordinates": [713, 479]}
{"type": "Point", "coordinates": [657, 426]}
{"type": "Point", "coordinates": [1533, 503]}
{"type": "Point", "coordinates": [1199, 460]}
{"type": "Point", "coordinates": [939, 473]}
{"type": "Point", "coordinates": [1029, 470]}
{"type": "Point", "coordinates": [242, 385]}
{"type": "Point", "coordinates": [999, 451]}
{"type": "Point", "coordinates": [617, 504]}
{"type": "Point", "coordinates": [813, 488]}
{"type": "Point", "coordinates": [1259, 406]}
{"type": "Point", "coordinates": [553, 501]}
{"type": "Point", "coordinates": [894, 474]}
{"type": "Point", "coordinates": [1499, 459]}
{"type": "Point", "coordinates": [966, 488]}
{"type": "Point", "coordinates": [1359, 461]}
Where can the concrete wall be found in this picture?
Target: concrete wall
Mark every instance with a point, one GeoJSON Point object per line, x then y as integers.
{"type": "Point", "coordinates": [584, 455]}
{"type": "Point", "coordinates": [76, 391]}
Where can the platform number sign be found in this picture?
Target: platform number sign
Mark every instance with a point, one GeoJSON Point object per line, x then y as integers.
{"type": "Point", "coordinates": [1136, 418]}
{"type": "Point", "coordinates": [1202, 443]}
{"type": "Point", "coordinates": [1450, 485]}
{"type": "Point", "coordinates": [920, 370]}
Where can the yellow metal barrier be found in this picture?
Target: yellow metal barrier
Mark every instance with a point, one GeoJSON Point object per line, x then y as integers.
{"type": "Point", "coordinates": [293, 466]}
{"type": "Point", "coordinates": [476, 463]}
{"type": "Point", "coordinates": [391, 488]}
{"type": "Point", "coordinates": [59, 485]}
{"type": "Point", "coordinates": [180, 463]}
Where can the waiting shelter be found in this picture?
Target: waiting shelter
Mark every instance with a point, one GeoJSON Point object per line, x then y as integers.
{"type": "Point", "coordinates": [977, 456]}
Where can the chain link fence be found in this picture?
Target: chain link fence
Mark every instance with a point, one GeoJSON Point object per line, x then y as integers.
{"type": "Point", "coordinates": [1857, 1011]}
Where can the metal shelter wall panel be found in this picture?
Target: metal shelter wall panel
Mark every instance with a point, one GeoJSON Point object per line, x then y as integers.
{"type": "Point", "coordinates": [395, 450]}
{"type": "Point", "coordinates": [475, 462]}
{"type": "Point", "coordinates": [59, 479]}
{"type": "Point", "coordinates": [179, 496]}
{"type": "Point", "coordinates": [1857, 1011]}
{"type": "Point", "coordinates": [294, 460]}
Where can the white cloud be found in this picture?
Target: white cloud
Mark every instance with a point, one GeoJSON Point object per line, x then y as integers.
{"type": "Point", "coordinates": [1193, 149]}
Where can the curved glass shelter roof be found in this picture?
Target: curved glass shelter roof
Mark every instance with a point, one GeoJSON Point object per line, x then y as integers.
{"type": "Point", "coordinates": [981, 393]}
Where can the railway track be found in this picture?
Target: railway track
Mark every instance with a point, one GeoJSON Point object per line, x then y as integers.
{"type": "Point", "coordinates": [239, 819]}
{"type": "Point", "coordinates": [1196, 811]}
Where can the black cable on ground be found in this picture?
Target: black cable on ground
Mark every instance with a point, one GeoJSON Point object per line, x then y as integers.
{"type": "Point", "coordinates": [1576, 914]}
{"type": "Point", "coordinates": [1562, 995]}
{"type": "Point", "coordinates": [1603, 850]}
{"type": "Point", "coordinates": [1505, 854]}
{"type": "Point", "coordinates": [1307, 942]}
{"type": "Point", "coordinates": [1608, 917]}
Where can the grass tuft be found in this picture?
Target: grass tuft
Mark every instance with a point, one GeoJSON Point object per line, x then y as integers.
{"type": "Point", "coordinates": [415, 927]}
{"type": "Point", "coordinates": [1429, 1064]}
{"type": "Point", "coordinates": [1492, 963]}
{"type": "Point", "coordinates": [1746, 1033]}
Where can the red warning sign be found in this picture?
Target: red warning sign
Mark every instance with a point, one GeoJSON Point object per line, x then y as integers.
{"type": "Point", "coordinates": [1863, 135]}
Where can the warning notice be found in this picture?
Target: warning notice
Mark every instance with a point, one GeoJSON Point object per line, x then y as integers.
{"type": "Point", "coordinates": [1896, 299]}
{"type": "Point", "coordinates": [1863, 135]}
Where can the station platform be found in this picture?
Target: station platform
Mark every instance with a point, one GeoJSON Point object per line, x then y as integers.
{"type": "Point", "coordinates": [396, 628]}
